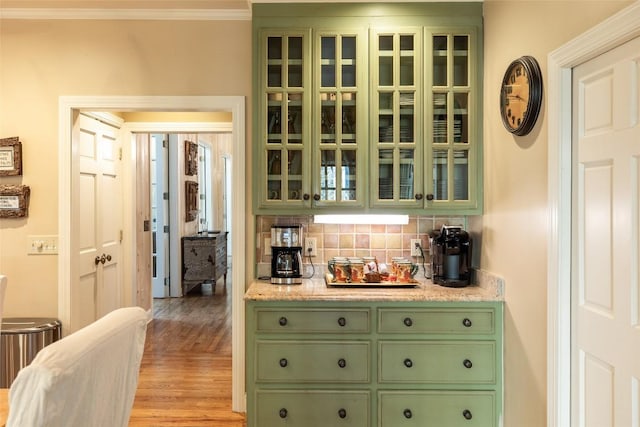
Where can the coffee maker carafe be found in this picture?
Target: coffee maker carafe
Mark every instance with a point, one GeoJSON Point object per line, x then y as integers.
{"type": "Point", "coordinates": [450, 257]}
{"type": "Point", "coordinates": [286, 254]}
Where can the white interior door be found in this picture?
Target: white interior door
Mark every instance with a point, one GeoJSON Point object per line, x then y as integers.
{"type": "Point", "coordinates": [160, 214]}
{"type": "Point", "coordinates": [605, 300]}
{"type": "Point", "coordinates": [99, 204]}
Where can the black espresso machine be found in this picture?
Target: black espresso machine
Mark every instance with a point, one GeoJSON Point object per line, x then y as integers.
{"type": "Point", "coordinates": [450, 256]}
{"type": "Point", "coordinates": [286, 254]}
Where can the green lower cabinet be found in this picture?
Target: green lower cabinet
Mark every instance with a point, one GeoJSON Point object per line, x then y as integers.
{"type": "Point", "coordinates": [437, 408]}
{"type": "Point", "coordinates": [313, 361]}
{"type": "Point", "coordinates": [374, 364]}
{"type": "Point", "coordinates": [442, 362]}
{"type": "Point", "coordinates": [327, 408]}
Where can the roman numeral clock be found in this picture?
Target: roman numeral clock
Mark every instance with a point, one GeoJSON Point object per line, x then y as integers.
{"type": "Point", "coordinates": [521, 95]}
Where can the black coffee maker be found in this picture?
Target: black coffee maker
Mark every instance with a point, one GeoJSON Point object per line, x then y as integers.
{"type": "Point", "coordinates": [450, 256]}
{"type": "Point", "coordinates": [286, 254]}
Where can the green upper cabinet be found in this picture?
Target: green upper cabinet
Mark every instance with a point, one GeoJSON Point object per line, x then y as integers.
{"type": "Point", "coordinates": [339, 129]}
{"type": "Point", "coordinates": [367, 108]}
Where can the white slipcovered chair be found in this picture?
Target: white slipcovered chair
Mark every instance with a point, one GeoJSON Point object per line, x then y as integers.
{"type": "Point", "coordinates": [88, 378]}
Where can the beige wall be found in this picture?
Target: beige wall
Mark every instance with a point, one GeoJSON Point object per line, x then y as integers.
{"type": "Point", "coordinates": [40, 61]}
{"type": "Point", "coordinates": [43, 60]}
{"type": "Point", "coordinates": [514, 225]}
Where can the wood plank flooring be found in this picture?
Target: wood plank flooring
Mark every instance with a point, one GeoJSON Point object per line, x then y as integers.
{"type": "Point", "coordinates": [185, 375]}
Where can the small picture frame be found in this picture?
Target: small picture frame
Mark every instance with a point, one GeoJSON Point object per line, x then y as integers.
{"type": "Point", "coordinates": [191, 199]}
{"type": "Point", "coordinates": [14, 201]}
{"type": "Point", "coordinates": [190, 158]}
{"type": "Point", "coordinates": [10, 156]}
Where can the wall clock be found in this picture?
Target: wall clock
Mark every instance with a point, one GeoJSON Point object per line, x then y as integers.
{"type": "Point", "coordinates": [521, 95]}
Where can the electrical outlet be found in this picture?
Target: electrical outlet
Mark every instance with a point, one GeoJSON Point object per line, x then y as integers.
{"type": "Point", "coordinates": [416, 244]}
{"type": "Point", "coordinates": [311, 246]}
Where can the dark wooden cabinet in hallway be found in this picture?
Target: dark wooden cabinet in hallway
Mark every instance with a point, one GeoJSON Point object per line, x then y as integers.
{"type": "Point", "coordinates": [185, 375]}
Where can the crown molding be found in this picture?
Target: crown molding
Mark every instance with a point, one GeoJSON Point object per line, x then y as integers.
{"type": "Point", "coordinates": [127, 14]}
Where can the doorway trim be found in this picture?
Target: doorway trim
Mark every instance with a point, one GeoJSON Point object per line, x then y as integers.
{"type": "Point", "coordinates": [68, 108]}
{"type": "Point", "coordinates": [612, 32]}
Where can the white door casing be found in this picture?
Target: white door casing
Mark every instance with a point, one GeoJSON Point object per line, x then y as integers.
{"type": "Point", "coordinates": [97, 208]}
{"type": "Point", "coordinates": [607, 35]}
{"type": "Point", "coordinates": [67, 267]}
{"type": "Point", "coordinates": [605, 330]}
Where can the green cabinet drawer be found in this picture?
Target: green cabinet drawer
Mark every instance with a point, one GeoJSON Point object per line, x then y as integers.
{"type": "Point", "coordinates": [304, 408]}
{"type": "Point", "coordinates": [436, 321]}
{"type": "Point", "coordinates": [443, 362]}
{"type": "Point", "coordinates": [437, 408]}
{"type": "Point", "coordinates": [312, 361]}
{"type": "Point", "coordinates": [314, 320]}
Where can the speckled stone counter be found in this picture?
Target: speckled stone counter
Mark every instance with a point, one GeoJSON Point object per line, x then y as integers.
{"type": "Point", "coordinates": [317, 290]}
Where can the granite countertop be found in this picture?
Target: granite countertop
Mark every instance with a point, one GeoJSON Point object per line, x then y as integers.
{"type": "Point", "coordinates": [317, 290]}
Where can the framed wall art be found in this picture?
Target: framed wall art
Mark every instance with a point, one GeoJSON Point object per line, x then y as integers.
{"type": "Point", "coordinates": [191, 198]}
{"type": "Point", "coordinates": [190, 158]}
{"type": "Point", "coordinates": [14, 201]}
{"type": "Point", "coordinates": [10, 156]}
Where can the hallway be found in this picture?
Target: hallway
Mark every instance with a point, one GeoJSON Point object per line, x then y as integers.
{"type": "Point", "coordinates": [185, 376]}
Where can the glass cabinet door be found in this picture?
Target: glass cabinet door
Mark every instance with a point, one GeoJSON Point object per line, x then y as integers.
{"type": "Point", "coordinates": [396, 108]}
{"type": "Point", "coordinates": [285, 118]}
{"type": "Point", "coordinates": [453, 149]}
{"type": "Point", "coordinates": [338, 163]}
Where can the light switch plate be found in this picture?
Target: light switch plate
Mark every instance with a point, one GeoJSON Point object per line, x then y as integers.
{"type": "Point", "coordinates": [42, 245]}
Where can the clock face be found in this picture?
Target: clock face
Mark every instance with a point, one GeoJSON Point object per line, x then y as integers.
{"type": "Point", "coordinates": [521, 95]}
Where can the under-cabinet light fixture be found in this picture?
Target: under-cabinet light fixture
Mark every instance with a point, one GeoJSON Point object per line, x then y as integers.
{"type": "Point", "coordinates": [361, 219]}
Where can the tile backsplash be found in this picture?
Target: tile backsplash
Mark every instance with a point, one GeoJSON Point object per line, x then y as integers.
{"type": "Point", "coordinates": [382, 241]}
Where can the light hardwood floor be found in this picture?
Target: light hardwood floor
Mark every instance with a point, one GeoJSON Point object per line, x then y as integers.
{"type": "Point", "coordinates": [185, 375]}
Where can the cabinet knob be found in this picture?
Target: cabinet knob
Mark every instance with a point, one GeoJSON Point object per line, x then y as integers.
{"type": "Point", "coordinates": [467, 363]}
{"type": "Point", "coordinates": [467, 414]}
{"type": "Point", "coordinates": [407, 322]}
{"type": "Point", "coordinates": [408, 363]}
{"type": "Point", "coordinates": [316, 197]}
{"type": "Point", "coordinates": [282, 321]}
{"type": "Point", "coordinates": [407, 413]}
{"type": "Point", "coordinates": [467, 322]}
{"type": "Point", "coordinates": [283, 413]}
{"type": "Point", "coordinates": [342, 363]}
{"type": "Point", "coordinates": [342, 413]}
{"type": "Point", "coordinates": [306, 196]}
{"type": "Point", "coordinates": [342, 321]}
{"type": "Point", "coordinates": [418, 196]}
{"type": "Point", "coordinates": [429, 196]}
{"type": "Point", "coordinates": [283, 362]}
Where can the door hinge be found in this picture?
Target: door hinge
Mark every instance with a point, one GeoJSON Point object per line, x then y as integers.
{"type": "Point", "coordinates": [120, 153]}
{"type": "Point", "coordinates": [121, 235]}
{"type": "Point", "coordinates": [165, 196]}
{"type": "Point", "coordinates": [166, 228]}
{"type": "Point", "coordinates": [167, 281]}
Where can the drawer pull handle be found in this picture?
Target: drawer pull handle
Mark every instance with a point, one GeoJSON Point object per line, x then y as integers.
{"type": "Point", "coordinates": [407, 413]}
{"type": "Point", "coordinates": [342, 321]}
{"type": "Point", "coordinates": [283, 362]}
{"type": "Point", "coordinates": [408, 363]}
{"type": "Point", "coordinates": [467, 322]}
{"type": "Point", "coordinates": [342, 363]}
{"type": "Point", "coordinates": [407, 322]}
{"type": "Point", "coordinates": [283, 321]}
{"type": "Point", "coordinates": [467, 363]}
{"type": "Point", "coordinates": [342, 413]}
{"type": "Point", "coordinates": [283, 413]}
{"type": "Point", "coordinates": [467, 414]}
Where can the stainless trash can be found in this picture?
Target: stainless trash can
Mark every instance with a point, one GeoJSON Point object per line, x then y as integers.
{"type": "Point", "coordinates": [21, 338]}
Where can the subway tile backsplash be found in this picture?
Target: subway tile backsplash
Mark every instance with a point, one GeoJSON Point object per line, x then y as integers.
{"type": "Point", "coordinates": [382, 241]}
